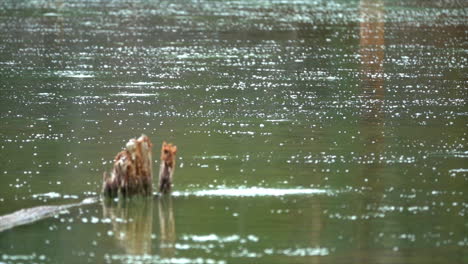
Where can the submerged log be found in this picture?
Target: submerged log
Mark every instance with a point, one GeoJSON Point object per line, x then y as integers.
{"type": "Point", "coordinates": [30, 215]}
{"type": "Point", "coordinates": [132, 172]}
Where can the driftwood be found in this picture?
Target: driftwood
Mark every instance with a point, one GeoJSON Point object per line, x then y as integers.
{"type": "Point", "coordinates": [29, 215]}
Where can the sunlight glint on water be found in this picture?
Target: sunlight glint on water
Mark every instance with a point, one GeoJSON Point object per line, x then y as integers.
{"type": "Point", "coordinates": [308, 131]}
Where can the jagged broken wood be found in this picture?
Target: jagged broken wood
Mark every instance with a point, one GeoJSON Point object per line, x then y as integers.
{"type": "Point", "coordinates": [166, 170]}
{"type": "Point", "coordinates": [132, 172]}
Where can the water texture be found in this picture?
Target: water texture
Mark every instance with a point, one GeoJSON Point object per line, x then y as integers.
{"type": "Point", "coordinates": [308, 131]}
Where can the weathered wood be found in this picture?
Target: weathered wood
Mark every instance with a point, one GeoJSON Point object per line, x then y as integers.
{"type": "Point", "coordinates": [166, 170]}
{"type": "Point", "coordinates": [29, 215]}
{"type": "Point", "coordinates": [132, 172]}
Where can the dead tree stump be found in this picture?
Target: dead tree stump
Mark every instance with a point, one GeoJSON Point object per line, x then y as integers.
{"type": "Point", "coordinates": [132, 172]}
{"type": "Point", "coordinates": [167, 167]}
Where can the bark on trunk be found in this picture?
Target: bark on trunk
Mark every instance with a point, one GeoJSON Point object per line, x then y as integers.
{"type": "Point", "coordinates": [132, 172]}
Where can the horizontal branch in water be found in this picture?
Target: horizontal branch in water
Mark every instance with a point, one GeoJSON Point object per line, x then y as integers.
{"type": "Point", "coordinates": [30, 215]}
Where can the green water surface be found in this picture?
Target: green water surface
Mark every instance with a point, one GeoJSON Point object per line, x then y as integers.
{"type": "Point", "coordinates": [307, 131]}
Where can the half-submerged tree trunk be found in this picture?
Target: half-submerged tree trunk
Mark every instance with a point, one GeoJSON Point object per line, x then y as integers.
{"type": "Point", "coordinates": [132, 172]}
{"type": "Point", "coordinates": [30, 215]}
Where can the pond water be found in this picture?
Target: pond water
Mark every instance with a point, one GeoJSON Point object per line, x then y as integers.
{"type": "Point", "coordinates": [308, 131]}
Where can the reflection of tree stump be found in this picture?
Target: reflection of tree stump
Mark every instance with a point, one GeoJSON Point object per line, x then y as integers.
{"type": "Point", "coordinates": [132, 223]}
{"type": "Point", "coordinates": [167, 227]}
{"type": "Point", "coordinates": [133, 170]}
